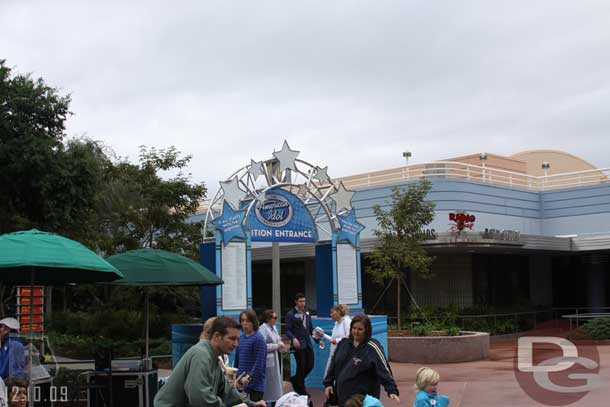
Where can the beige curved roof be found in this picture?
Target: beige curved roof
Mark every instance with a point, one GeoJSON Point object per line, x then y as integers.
{"type": "Point", "coordinates": [560, 162]}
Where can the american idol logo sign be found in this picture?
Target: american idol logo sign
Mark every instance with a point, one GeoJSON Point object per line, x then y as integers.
{"type": "Point", "coordinates": [275, 211]}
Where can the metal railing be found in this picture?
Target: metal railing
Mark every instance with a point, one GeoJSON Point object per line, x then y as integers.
{"type": "Point", "coordinates": [480, 173]}
{"type": "Point", "coordinates": [491, 175]}
{"type": "Point", "coordinates": [508, 322]}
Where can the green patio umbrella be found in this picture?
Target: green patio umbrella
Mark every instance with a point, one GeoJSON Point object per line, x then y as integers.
{"type": "Point", "coordinates": [36, 257]}
{"type": "Point", "coordinates": [152, 267]}
{"type": "Point", "coordinates": [46, 258]}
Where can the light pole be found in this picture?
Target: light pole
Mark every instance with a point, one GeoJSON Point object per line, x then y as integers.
{"type": "Point", "coordinates": [483, 158]}
{"type": "Point", "coordinates": [545, 166]}
{"type": "Point", "coordinates": [405, 171]}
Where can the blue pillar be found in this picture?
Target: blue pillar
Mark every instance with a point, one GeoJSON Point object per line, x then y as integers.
{"type": "Point", "coordinates": [324, 278]}
{"type": "Point", "coordinates": [207, 294]}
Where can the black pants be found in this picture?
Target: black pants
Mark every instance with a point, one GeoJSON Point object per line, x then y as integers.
{"type": "Point", "coordinates": [256, 395]}
{"type": "Point", "coordinates": [304, 358]}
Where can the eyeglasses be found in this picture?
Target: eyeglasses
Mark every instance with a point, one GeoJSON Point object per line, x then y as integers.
{"type": "Point", "coordinates": [274, 317]}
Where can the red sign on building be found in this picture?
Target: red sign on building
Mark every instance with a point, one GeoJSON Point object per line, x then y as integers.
{"type": "Point", "coordinates": [461, 221]}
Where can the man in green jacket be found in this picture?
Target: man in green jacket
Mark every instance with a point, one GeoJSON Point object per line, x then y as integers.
{"type": "Point", "coordinates": [198, 380]}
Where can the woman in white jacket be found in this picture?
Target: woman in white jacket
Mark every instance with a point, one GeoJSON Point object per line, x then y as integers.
{"type": "Point", "coordinates": [341, 329]}
{"type": "Point", "coordinates": [273, 373]}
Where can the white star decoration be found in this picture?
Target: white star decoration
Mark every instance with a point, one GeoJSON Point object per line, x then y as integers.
{"type": "Point", "coordinates": [343, 198]}
{"type": "Point", "coordinates": [260, 199]}
{"type": "Point", "coordinates": [232, 193]}
{"type": "Point", "coordinates": [302, 190]}
{"type": "Point", "coordinates": [322, 174]}
{"type": "Point", "coordinates": [256, 169]}
{"type": "Point", "coordinates": [286, 157]}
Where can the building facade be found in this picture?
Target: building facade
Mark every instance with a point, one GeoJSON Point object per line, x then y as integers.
{"type": "Point", "coordinates": [532, 229]}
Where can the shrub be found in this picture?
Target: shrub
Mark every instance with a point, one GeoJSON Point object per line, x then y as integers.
{"type": "Point", "coordinates": [427, 329]}
{"type": "Point", "coordinates": [453, 331]}
{"type": "Point", "coordinates": [123, 324]}
{"type": "Point", "coordinates": [598, 329]}
{"type": "Point", "coordinates": [422, 329]}
{"type": "Point", "coordinates": [83, 347]}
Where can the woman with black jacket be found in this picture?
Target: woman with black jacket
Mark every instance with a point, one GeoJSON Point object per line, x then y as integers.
{"type": "Point", "coordinates": [359, 366]}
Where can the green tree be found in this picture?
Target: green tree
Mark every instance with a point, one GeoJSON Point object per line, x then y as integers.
{"type": "Point", "coordinates": [138, 208]}
{"type": "Point", "coordinates": [400, 236]}
{"type": "Point", "coordinates": [36, 188]}
{"type": "Point", "coordinates": [73, 188]}
{"type": "Point", "coordinates": [45, 183]}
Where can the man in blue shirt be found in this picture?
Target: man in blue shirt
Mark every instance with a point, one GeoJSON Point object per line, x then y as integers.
{"type": "Point", "coordinates": [299, 330]}
{"type": "Point", "coordinates": [12, 355]}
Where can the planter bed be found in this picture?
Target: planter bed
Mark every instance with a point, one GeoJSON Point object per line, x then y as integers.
{"type": "Point", "coordinates": [466, 347]}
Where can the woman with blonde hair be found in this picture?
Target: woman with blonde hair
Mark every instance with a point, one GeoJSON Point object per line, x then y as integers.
{"type": "Point", "coordinates": [205, 333]}
{"type": "Point", "coordinates": [339, 313]}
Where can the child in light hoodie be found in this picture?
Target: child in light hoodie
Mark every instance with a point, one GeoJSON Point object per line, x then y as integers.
{"type": "Point", "coordinates": [426, 381]}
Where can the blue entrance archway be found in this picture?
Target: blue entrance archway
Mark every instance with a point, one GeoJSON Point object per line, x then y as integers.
{"type": "Point", "coordinates": [281, 200]}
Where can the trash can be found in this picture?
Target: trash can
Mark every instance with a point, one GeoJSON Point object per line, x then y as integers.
{"type": "Point", "coordinates": [183, 337]}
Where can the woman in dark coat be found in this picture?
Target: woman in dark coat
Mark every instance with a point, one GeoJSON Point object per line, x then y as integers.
{"type": "Point", "coordinates": [359, 365]}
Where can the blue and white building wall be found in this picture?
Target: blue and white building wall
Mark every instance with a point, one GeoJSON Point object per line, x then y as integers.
{"type": "Point", "coordinates": [544, 246]}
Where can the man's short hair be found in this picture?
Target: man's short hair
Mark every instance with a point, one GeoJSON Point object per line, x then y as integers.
{"type": "Point", "coordinates": [222, 325]}
{"type": "Point", "coordinates": [298, 296]}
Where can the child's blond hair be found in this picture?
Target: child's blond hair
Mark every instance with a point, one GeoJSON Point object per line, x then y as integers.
{"type": "Point", "coordinates": [426, 376]}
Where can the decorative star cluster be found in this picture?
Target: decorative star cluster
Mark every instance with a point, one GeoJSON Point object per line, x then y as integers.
{"type": "Point", "coordinates": [317, 178]}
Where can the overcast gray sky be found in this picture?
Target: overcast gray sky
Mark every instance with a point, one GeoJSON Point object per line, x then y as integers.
{"type": "Point", "coordinates": [351, 84]}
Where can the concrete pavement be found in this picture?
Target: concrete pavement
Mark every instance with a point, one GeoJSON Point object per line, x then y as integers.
{"type": "Point", "coordinates": [487, 383]}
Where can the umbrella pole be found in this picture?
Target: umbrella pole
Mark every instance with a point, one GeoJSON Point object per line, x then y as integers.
{"type": "Point", "coordinates": [31, 335]}
{"type": "Point", "coordinates": [146, 305]}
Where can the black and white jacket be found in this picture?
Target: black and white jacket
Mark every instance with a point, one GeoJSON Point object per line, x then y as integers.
{"type": "Point", "coordinates": [359, 370]}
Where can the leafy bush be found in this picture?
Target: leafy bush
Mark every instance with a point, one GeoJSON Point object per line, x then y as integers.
{"type": "Point", "coordinates": [453, 331]}
{"type": "Point", "coordinates": [429, 328]}
{"type": "Point", "coordinates": [495, 326]}
{"type": "Point", "coordinates": [161, 347]}
{"type": "Point", "coordinates": [123, 324]}
{"type": "Point", "coordinates": [83, 347]}
{"type": "Point", "coordinates": [422, 329]}
{"type": "Point", "coordinates": [598, 329]}
{"type": "Point", "coordinates": [449, 317]}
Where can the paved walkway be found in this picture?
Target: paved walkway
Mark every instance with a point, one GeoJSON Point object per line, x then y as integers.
{"type": "Point", "coordinates": [486, 383]}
